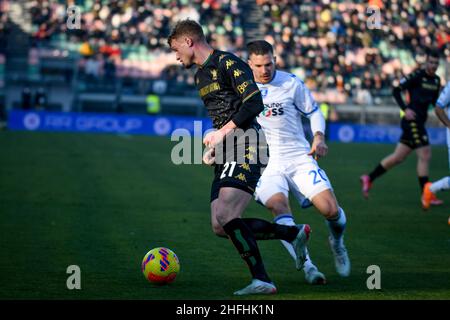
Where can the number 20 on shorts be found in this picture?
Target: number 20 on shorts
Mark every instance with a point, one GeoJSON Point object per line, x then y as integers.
{"type": "Point", "coordinates": [318, 176]}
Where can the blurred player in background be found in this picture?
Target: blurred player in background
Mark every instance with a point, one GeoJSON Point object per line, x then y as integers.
{"type": "Point", "coordinates": [228, 90]}
{"type": "Point", "coordinates": [423, 86]}
{"type": "Point", "coordinates": [291, 164]}
{"type": "Point", "coordinates": [430, 189]}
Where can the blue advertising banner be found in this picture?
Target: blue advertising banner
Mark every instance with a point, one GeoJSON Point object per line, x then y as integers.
{"type": "Point", "coordinates": [166, 125]}
{"type": "Point", "coordinates": [106, 123]}
{"type": "Point", "coordinates": [377, 133]}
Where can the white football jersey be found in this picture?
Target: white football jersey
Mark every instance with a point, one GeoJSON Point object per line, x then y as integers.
{"type": "Point", "coordinates": [444, 98]}
{"type": "Point", "coordinates": [444, 103]}
{"type": "Point", "coordinates": [286, 99]}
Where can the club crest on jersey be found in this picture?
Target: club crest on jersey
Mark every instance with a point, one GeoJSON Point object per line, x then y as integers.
{"type": "Point", "coordinates": [214, 74]}
{"type": "Point", "coordinates": [264, 92]}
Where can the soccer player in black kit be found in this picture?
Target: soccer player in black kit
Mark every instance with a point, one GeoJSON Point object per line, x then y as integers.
{"type": "Point", "coordinates": [423, 86]}
{"type": "Point", "coordinates": [232, 98]}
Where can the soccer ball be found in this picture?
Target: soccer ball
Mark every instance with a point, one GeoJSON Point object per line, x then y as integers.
{"type": "Point", "coordinates": [160, 266]}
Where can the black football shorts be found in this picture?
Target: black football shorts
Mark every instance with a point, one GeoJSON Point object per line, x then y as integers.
{"type": "Point", "coordinates": [414, 134]}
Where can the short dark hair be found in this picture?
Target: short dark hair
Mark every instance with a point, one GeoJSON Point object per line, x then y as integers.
{"type": "Point", "coordinates": [189, 28]}
{"type": "Point", "coordinates": [433, 52]}
{"type": "Point", "coordinates": [259, 47]}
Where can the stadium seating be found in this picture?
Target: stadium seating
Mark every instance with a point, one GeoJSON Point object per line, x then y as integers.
{"type": "Point", "coordinates": [329, 44]}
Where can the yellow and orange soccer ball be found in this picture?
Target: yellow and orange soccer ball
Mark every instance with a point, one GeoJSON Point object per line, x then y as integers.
{"type": "Point", "coordinates": [160, 266]}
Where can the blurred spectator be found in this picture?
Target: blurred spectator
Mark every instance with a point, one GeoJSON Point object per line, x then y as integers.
{"type": "Point", "coordinates": [327, 43]}
{"type": "Point", "coordinates": [40, 99]}
{"type": "Point", "coordinates": [93, 67]}
{"type": "Point", "coordinates": [331, 39]}
{"type": "Point", "coordinates": [86, 50]}
{"type": "Point", "coordinates": [26, 98]}
{"type": "Point", "coordinates": [140, 22]}
{"type": "Point", "coordinates": [110, 68]}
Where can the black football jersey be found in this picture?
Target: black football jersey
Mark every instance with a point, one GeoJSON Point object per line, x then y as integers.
{"type": "Point", "coordinates": [224, 83]}
{"type": "Point", "coordinates": [423, 91]}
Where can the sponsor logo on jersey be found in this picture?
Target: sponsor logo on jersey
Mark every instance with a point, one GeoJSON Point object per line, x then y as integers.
{"type": "Point", "coordinates": [209, 88]}
{"type": "Point", "coordinates": [251, 149]}
{"type": "Point", "coordinates": [272, 110]}
{"type": "Point", "coordinates": [249, 156]}
{"type": "Point", "coordinates": [430, 86]}
{"type": "Point", "coordinates": [245, 166]}
{"type": "Point", "coordinates": [241, 177]}
{"type": "Point", "coordinates": [241, 88]}
{"type": "Point", "coordinates": [229, 63]}
{"type": "Point", "coordinates": [237, 73]}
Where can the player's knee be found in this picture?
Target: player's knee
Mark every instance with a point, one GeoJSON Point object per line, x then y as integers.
{"type": "Point", "coordinates": [330, 210]}
{"type": "Point", "coordinates": [278, 207]}
{"type": "Point", "coordinates": [225, 214]}
{"type": "Point", "coordinates": [218, 219]}
{"type": "Point", "coordinates": [425, 156]}
{"type": "Point", "coordinates": [218, 230]}
{"type": "Point", "coordinates": [222, 218]}
{"type": "Point", "coordinates": [399, 159]}
{"type": "Point", "coordinates": [278, 204]}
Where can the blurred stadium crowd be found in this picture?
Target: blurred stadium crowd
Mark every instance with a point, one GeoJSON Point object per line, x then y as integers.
{"type": "Point", "coordinates": [327, 43]}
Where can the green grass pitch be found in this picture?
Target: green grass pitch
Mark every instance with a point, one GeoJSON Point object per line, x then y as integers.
{"type": "Point", "coordinates": [102, 201]}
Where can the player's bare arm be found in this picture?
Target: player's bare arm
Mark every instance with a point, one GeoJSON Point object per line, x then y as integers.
{"type": "Point", "coordinates": [440, 113]}
{"type": "Point", "coordinates": [318, 147]}
{"type": "Point", "coordinates": [214, 138]}
{"type": "Point", "coordinates": [209, 156]}
{"type": "Point", "coordinates": [405, 84]}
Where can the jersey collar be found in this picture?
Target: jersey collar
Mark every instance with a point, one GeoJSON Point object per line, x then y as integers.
{"type": "Point", "coordinates": [207, 59]}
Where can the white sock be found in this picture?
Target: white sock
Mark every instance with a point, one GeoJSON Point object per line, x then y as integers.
{"type": "Point", "coordinates": [442, 184]}
{"type": "Point", "coordinates": [308, 263]}
{"type": "Point", "coordinates": [288, 220]}
{"type": "Point", "coordinates": [337, 226]}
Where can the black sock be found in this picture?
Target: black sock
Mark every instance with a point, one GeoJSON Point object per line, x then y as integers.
{"type": "Point", "coordinates": [422, 181]}
{"type": "Point", "coordinates": [265, 230]}
{"type": "Point", "coordinates": [378, 171]}
{"type": "Point", "coordinates": [244, 241]}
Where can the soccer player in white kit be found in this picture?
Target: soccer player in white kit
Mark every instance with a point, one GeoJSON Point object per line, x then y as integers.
{"type": "Point", "coordinates": [291, 165]}
{"type": "Point", "coordinates": [431, 188]}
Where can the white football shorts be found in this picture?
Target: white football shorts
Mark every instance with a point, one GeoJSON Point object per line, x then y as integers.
{"type": "Point", "coordinates": [302, 176]}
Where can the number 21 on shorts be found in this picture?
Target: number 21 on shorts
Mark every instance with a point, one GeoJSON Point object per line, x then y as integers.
{"type": "Point", "coordinates": [225, 168]}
